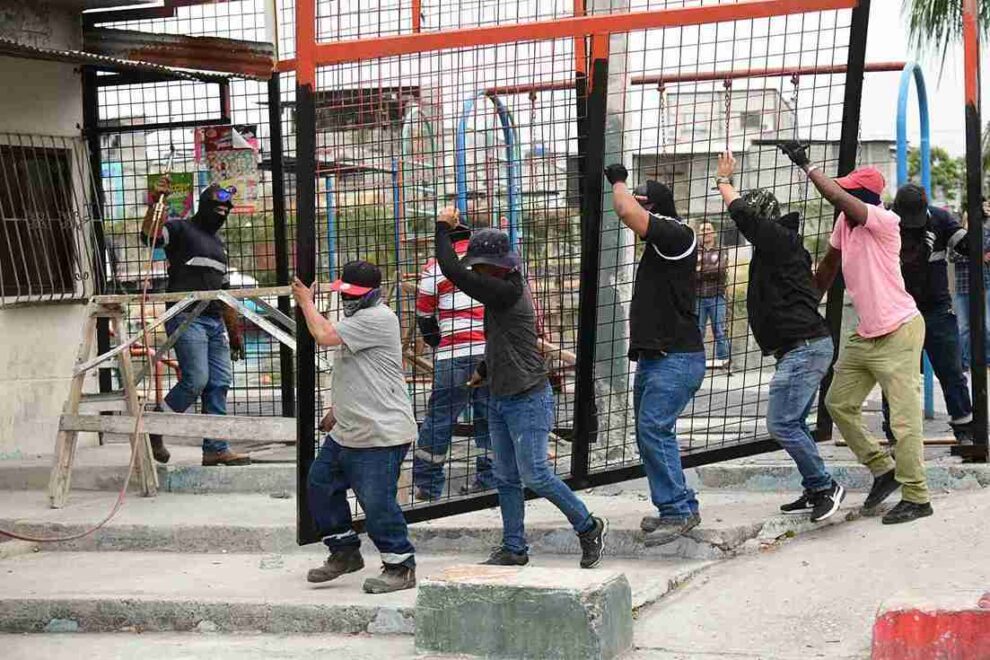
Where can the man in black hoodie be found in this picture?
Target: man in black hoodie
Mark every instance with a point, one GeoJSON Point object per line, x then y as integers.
{"type": "Point", "coordinates": [197, 261]}
{"type": "Point", "coordinates": [665, 343]}
{"type": "Point", "coordinates": [782, 305]}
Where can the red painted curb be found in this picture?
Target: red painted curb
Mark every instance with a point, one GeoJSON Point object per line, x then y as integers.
{"type": "Point", "coordinates": [949, 629]}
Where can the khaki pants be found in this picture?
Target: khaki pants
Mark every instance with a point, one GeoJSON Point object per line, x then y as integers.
{"type": "Point", "coordinates": [891, 360]}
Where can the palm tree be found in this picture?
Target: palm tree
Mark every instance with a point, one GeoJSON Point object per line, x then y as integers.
{"type": "Point", "coordinates": [937, 24]}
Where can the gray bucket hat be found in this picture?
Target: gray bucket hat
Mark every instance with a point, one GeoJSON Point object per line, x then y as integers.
{"type": "Point", "coordinates": [490, 246]}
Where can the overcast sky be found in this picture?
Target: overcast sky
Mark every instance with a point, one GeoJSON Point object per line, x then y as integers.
{"type": "Point", "coordinates": [945, 83]}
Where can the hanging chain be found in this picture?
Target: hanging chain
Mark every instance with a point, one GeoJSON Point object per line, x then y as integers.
{"type": "Point", "coordinates": [795, 85]}
{"type": "Point", "coordinates": [663, 120]}
{"type": "Point", "coordinates": [728, 111]}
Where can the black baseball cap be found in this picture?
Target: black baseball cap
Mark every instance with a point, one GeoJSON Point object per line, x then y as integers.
{"type": "Point", "coordinates": [911, 204]}
{"type": "Point", "coordinates": [358, 278]}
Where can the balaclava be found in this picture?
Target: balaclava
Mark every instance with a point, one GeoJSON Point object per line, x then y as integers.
{"type": "Point", "coordinates": [215, 204]}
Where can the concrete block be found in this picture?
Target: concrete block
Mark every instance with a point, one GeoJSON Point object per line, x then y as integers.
{"type": "Point", "coordinates": [951, 626]}
{"type": "Point", "coordinates": [516, 612]}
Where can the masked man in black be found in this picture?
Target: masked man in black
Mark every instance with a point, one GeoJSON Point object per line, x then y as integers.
{"type": "Point", "coordinates": [197, 261]}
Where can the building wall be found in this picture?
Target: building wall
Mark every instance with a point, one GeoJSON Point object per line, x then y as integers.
{"type": "Point", "coordinates": [38, 343]}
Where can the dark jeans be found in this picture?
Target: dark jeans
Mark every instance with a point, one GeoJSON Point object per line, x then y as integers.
{"type": "Point", "coordinates": [714, 308]}
{"type": "Point", "coordinates": [792, 391]}
{"type": "Point", "coordinates": [520, 426]}
{"type": "Point", "coordinates": [203, 352]}
{"type": "Point", "coordinates": [373, 475]}
{"type": "Point", "coordinates": [662, 389]}
{"type": "Point", "coordinates": [960, 304]}
{"type": "Point", "coordinates": [942, 347]}
{"type": "Point", "coordinates": [448, 399]}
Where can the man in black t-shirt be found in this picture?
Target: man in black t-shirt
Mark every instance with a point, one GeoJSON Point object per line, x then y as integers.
{"type": "Point", "coordinates": [782, 306]}
{"type": "Point", "coordinates": [666, 345]}
{"type": "Point", "coordinates": [928, 236]}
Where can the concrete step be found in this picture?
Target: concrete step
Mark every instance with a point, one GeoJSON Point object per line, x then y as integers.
{"type": "Point", "coordinates": [776, 472]}
{"type": "Point", "coordinates": [234, 592]}
{"type": "Point", "coordinates": [731, 523]}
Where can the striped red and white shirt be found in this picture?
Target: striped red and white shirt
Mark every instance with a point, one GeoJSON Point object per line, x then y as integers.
{"type": "Point", "coordinates": [461, 318]}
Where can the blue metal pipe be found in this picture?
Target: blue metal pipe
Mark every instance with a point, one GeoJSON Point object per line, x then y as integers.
{"type": "Point", "coordinates": [912, 71]}
{"type": "Point", "coordinates": [512, 157]}
{"type": "Point", "coordinates": [331, 228]}
{"type": "Point", "coordinates": [397, 211]}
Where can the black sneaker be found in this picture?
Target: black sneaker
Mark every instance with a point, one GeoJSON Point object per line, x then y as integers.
{"type": "Point", "coordinates": [504, 557]}
{"type": "Point", "coordinates": [963, 433]}
{"type": "Point", "coordinates": [802, 504]}
{"type": "Point", "coordinates": [394, 577]}
{"type": "Point", "coordinates": [906, 511]}
{"type": "Point", "coordinates": [473, 488]}
{"type": "Point", "coordinates": [422, 495]}
{"type": "Point", "coordinates": [593, 543]}
{"type": "Point", "coordinates": [669, 529]}
{"type": "Point", "coordinates": [158, 449]}
{"type": "Point", "coordinates": [884, 486]}
{"type": "Point", "coordinates": [337, 564]}
{"type": "Point", "coordinates": [826, 502]}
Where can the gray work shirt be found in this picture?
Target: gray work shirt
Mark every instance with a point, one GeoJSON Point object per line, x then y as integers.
{"type": "Point", "coordinates": [370, 400]}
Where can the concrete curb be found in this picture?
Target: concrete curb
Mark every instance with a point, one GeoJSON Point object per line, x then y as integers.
{"type": "Point", "coordinates": [25, 615]}
{"type": "Point", "coordinates": [700, 543]}
{"type": "Point", "coordinates": [756, 477]}
{"type": "Point", "coordinates": [919, 627]}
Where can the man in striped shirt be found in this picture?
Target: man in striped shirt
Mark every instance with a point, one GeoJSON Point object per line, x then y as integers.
{"type": "Point", "coordinates": [453, 324]}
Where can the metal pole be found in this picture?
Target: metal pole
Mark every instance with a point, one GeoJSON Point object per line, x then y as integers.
{"type": "Point", "coordinates": [974, 195]}
{"type": "Point", "coordinates": [306, 531]}
{"type": "Point", "coordinates": [592, 158]}
{"type": "Point", "coordinates": [91, 129]}
{"type": "Point", "coordinates": [848, 146]}
{"type": "Point", "coordinates": [286, 356]}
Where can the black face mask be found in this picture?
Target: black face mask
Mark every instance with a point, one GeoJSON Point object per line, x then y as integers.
{"type": "Point", "coordinates": [865, 196]}
{"type": "Point", "coordinates": [791, 221]}
{"type": "Point", "coordinates": [210, 215]}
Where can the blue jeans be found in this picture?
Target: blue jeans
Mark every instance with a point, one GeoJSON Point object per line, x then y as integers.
{"type": "Point", "coordinates": [520, 426]}
{"type": "Point", "coordinates": [792, 392]}
{"type": "Point", "coordinates": [373, 475]}
{"type": "Point", "coordinates": [448, 399]}
{"type": "Point", "coordinates": [662, 389]}
{"type": "Point", "coordinates": [961, 305]}
{"type": "Point", "coordinates": [203, 352]}
{"type": "Point", "coordinates": [942, 348]}
{"type": "Point", "coordinates": [714, 308]}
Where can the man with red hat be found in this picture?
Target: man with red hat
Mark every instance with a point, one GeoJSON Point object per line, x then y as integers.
{"type": "Point", "coordinates": [370, 426]}
{"type": "Point", "coordinates": [886, 346]}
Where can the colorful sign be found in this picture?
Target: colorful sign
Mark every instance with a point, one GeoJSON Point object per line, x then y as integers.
{"type": "Point", "coordinates": [179, 202]}
{"type": "Point", "coordinates": [230, 154]}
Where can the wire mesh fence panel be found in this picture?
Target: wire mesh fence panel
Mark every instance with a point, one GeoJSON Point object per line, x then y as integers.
{"type": "Point", "coordinates": [144, 126]}
{"type": "Point", "coordinates": [487, 131]}
{"type": "Point", "coordinates": [677, 98]}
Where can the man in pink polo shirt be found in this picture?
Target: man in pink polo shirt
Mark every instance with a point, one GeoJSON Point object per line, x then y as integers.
{"type": "Point", "coordinates": [886, 346]}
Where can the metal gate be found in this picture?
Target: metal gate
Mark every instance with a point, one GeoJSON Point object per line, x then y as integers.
{"type": "Point", "coordinates": [511, 111]}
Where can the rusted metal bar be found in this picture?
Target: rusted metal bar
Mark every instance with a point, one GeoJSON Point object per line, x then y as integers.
{"type": "Point", "coordinates": [350, 50]}
{"type": "Point", "coordinates": [704, 76]}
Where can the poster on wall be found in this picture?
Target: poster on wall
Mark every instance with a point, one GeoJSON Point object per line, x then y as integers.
{"type": "Point", "coordinates": [230, 157]}
{"type": "Point", "coordinates": [179, 202]}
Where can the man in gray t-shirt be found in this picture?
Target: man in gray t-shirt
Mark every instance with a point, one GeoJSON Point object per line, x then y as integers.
{"type": "Point", "coordinates": [370, 427]}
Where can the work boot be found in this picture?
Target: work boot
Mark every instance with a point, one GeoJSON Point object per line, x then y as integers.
{"type": "Point", "coordinates": [593, 543]}
{"type": "Point", "coordinates": [884, 486]}
{"type": "Point", "coordinates": [337, 564]}
{"type": "Point", "coordinates": [963, 433]}
{"type": "Point", "coordinates": [669, 529]}
{"type": "Point", "coordinates": [394, 577]}
{"type": "Point", "coordinates": [502, 556]}
{"type": "Point", "coordinates": [226, 457]}
{"type": "Point", "coordinates": [158, 449]}
{"type": "Point", "coordinates": [906, 512]}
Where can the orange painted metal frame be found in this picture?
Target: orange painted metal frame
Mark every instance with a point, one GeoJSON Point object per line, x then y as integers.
{"type": "Point", "coordinates": [310, 54]}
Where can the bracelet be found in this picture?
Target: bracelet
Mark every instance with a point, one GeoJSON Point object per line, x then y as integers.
{"type": "Point", "coordinates": [719, 180]}
{"type": "Point", "coordinates": [811, 169]}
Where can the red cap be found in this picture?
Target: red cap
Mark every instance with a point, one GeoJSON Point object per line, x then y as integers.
{"type": "Point", "coordinates": [867, 178]}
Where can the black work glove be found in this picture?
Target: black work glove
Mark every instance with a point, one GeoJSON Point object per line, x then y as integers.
{"type": "Point", "coordinates": [797, 152]}
{"type": "Point", "coordinates": [616, 173]}
{"type": "Point", "coordinates": [430, 329]}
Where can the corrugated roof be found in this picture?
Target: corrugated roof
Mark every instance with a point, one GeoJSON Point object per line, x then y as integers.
{"type": "Point", "coordinates": [250, 59]}
{"type": "Point", "coordinates": [11, 48]}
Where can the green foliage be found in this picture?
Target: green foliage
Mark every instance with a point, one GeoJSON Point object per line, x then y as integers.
{"type": "Point", "coordinates": [948, 173]}
{"type": "Point", "coordinates": [937, 24]}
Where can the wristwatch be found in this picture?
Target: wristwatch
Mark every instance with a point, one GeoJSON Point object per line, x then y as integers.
{"type": "Point", "coordinates": [719, 180]}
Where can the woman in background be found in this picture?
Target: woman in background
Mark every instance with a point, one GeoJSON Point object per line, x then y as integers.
{"type": "Point", "coordinates": [712, 268]}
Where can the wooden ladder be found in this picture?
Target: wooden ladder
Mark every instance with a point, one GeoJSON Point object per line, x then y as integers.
{"type": "Point", "coordinates": [68, 434]}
